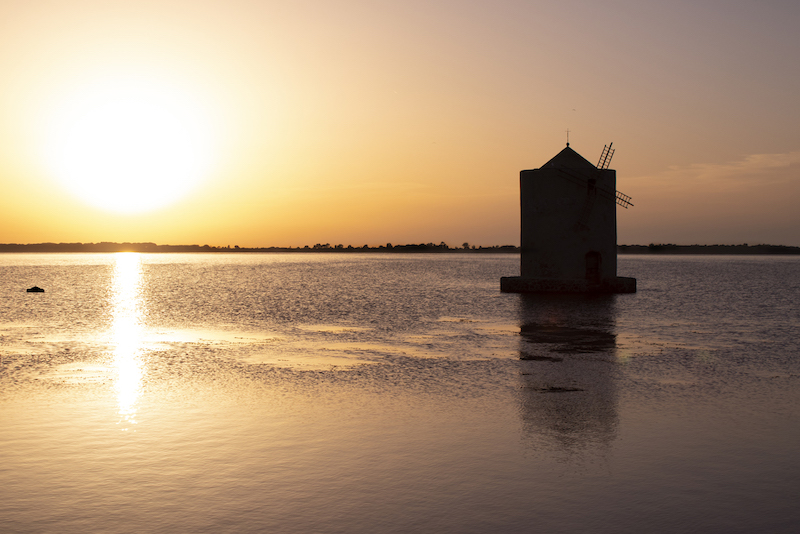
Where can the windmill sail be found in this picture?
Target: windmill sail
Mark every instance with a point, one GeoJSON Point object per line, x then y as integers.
{"type": "Point", "coordinates": [605, 157]}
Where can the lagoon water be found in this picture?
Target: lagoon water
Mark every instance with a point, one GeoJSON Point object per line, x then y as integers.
{"type": "Point", "coordinates": [395, 393]}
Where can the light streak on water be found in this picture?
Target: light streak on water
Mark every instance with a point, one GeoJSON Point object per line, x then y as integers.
{"type": "Point", "coordinates": [127, 331]}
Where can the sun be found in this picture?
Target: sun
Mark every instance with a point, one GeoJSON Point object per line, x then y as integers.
{"type": "Point", "coordinates": [130, 145]}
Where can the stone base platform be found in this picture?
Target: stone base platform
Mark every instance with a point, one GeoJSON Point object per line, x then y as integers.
{"type": "Point", "coordinates": [518, 284]}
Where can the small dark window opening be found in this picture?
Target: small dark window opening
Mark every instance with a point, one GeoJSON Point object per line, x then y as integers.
{"type": "Point", "coordinates": [593, 260]}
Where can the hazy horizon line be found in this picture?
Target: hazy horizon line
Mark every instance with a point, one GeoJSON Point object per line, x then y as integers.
{"type": "Point", "coordinates": [145, 247]}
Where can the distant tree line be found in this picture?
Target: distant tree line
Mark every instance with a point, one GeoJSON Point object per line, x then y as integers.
{"type": "Point", "coordinates": [388, 247]}
{"type": "Point", "coordinates": [319, 247]}
{"type": "Point", "coordinates": [670, 248]}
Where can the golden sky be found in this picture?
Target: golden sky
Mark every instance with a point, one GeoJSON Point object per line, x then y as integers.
{"type": "Point", "coordinates": [263, 123]}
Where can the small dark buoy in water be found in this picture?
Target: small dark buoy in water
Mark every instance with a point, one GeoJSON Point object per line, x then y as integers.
{"type": "Point", "coordinates": [35, 289]}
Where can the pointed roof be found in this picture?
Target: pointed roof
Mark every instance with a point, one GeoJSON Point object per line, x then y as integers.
{"type": "Point", "coordinates": [569, 159]}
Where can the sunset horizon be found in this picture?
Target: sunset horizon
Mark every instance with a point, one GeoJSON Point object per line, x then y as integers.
{"type": "Point", "coordinates": [264, 124]}
{"type": "Point", "coordinates": [383, 267]}
{"type": "Point", "coordinates": [150, 246]}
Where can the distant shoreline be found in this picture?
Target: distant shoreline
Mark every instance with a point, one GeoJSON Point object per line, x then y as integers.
{"type": "Point", "coordinates": [743, 249]}
{"type": "Point", "coordinates": [108, 247]}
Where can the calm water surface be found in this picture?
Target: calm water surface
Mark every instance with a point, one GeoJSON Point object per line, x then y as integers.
{"type": "Point", "coordinates": [395, 393]}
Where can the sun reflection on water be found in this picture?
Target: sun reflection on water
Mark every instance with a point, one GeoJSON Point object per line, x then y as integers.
{"type": "Point", "coordinates": [127, 333]}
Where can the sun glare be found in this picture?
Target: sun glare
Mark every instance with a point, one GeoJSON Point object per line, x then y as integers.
{"type": "Point", "coordinates": [130, 146]}
{"type": "Point", "coordinates": [127, 334]}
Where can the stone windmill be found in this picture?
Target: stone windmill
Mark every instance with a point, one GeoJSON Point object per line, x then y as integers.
{"type": "Point", "coordinates": [569, 227]}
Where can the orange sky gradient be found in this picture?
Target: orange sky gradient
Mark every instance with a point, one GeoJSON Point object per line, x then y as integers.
{"type": "Point", "coordinates": [366, 122]}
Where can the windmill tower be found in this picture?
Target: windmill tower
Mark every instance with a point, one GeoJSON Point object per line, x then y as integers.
{"type": "Point", "coordinates": [569, 227]}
